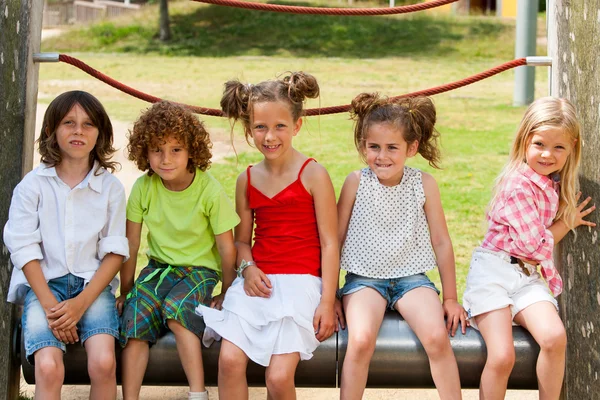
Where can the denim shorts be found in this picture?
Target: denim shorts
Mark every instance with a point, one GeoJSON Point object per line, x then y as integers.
{"type": "Point", "coordinates": [100, 318]}
{"type": "Point", "coordinates": [391, 289]}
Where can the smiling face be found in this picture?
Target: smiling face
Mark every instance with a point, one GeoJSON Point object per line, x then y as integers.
{"type": "Point", "coordinates": [76, 135]}
{"type": "Point", "coordinates": [548, 151]}
{"type": "Point", "coordinates": [169, 160]}
{"type": "Point", "coordinates": [386, 152]}
{"type": "Point", "coordinates": [273, 127]}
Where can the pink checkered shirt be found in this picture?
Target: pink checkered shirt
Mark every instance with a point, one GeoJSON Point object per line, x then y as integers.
{"type": "Point", "coordinates": [518, 222]}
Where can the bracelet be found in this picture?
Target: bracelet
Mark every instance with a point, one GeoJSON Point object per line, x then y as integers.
{"type": "Point", "coordinates": [245, 264]}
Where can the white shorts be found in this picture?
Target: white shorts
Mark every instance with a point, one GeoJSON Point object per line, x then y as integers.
{"type": "Point", "coordinates": [494, 283]}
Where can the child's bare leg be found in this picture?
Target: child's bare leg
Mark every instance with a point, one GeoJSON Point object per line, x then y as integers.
{"type": "Point", "coordinates": [422, 310]}
{"type": "Point", "coordinates": [543, 322]}
{"type": "Point", "coordinates": [190, 354]}
{"type": "Point", "coordinates": [364, 314]}
{"type": "Point", "coordinates": [280, 376]}
{"type": "Point", "coordinates": [233, 363]}
{"type": "Point", "coordinates": [49, 373]}
{"type": "Point", "coordinates": [102, 366]}
{"type": "Point", "coordinates": [496, 329]}
{"type": "Point", "coordinates": [134, 360]}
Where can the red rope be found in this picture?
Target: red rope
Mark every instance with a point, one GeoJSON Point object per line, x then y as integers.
{"type": "Point", "coordinates": [309, 112]}
{"type": "Point", "coordinates": [329, 11]}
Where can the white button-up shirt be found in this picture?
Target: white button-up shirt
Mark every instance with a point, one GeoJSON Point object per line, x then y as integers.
{"type": "Point", "coordinates": [68, 230]}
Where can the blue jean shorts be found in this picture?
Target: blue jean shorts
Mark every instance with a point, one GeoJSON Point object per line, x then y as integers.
{"type": "Point", "coordinates": [100, 317]}
{"type": "Point", "coordinates": [391, 289]}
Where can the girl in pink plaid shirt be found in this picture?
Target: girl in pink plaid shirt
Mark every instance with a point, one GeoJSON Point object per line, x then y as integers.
{"type": "Point", "coordinates": [534, 206]}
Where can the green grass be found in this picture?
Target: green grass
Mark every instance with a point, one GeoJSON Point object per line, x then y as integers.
{"type": "Point", "coordinates": [348, 56]}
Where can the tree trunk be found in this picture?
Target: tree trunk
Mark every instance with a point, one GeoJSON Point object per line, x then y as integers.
{"type": "Point", "coordinates": [573, 31]}
{"type": "Point", "coordinates": [21, 26]}
{"type": "Point", "coordinates": [165, 29]}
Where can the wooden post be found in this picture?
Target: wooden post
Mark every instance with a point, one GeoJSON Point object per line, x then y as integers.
{"type": "Point", "coordinates": [21, 27]}
{"type": "Point", "coordinates": [574, 28]}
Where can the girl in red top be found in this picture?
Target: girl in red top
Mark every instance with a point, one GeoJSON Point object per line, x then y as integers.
{"type": "Point", "coordinates": [282, 303]}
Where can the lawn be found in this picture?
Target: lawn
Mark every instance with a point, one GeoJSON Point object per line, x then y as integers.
{"type": "Point", "coordinates": [391, 55]}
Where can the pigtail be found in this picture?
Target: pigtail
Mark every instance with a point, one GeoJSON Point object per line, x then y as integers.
{"type": "Point", "coordinates": [236, 105]}
{"type": "Point", "coordinates": [301, 86]}
{"type": "Point", "coordinates": [421, 116]}
{"type": "Point", "coordinates": [360, 108]}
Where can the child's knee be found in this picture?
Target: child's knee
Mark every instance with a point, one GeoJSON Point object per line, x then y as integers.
{"type": "Point", "coordinates": [554, 339]}
{"type": "Point", "coordinates": [435, 341]}
{"type": "Point", "coordinates": [49, 366]}
{"type": "Point", "coordinates": [501, 360]}
{"type": "Point", "coordinates": [230, 363]}
{"type": "Point", "coordinates": [362, 343]}
{"type": "Point", "coordinates": [279, 379]}
{"type": "Point", "coordinates": [102, 365]}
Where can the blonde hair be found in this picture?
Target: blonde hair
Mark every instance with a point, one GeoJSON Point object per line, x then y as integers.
{"type": "Point", "coordinates": [543, 114]}
{"type": "Point", "coordinates": [414, 117]}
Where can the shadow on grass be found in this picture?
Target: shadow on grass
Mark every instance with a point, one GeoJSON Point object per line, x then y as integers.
{"type": "Point", "coordinates": [213, 31]}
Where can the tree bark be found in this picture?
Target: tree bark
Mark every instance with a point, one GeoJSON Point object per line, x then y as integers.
{"type": "Point", "coordinates": [21, 26]}
{"type": "Point", "coordinates": [165, 29]}
{"type": "Point", "coordinates": [573, 31]}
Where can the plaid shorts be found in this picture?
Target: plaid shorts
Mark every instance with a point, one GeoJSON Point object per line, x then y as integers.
{"type": "Point", "coordinates": [164, 292]}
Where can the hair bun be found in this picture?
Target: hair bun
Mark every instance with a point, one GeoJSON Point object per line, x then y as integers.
{"type": "Point", "coordinates": [301, 86]}
{"type": "Point", "coordinates": [235, 98]}
{"type": "Point", "coordinates": [363, 103]}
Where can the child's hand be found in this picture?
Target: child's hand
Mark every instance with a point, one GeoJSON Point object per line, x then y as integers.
{"type": "Point", "coordinates": [324, 321]}
{"type": "Point", "coordinates": [217, 301]}
{"type": "Point", "coordinates": [67, 336]}
{"type": "Point", "coordinates": [584, 212]}
{"type": "Point", "coordinates": [455, 313]}
{"type": "Point", "coordinates": [339, 313]}
{"type": "Point", "coordinates": [119, 302]}
{"type": "Point", "coordinates": [66, 314]}
{"type": "Point", "coordinates": [256, 283]}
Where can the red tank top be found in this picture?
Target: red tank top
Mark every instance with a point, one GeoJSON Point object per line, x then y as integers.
{"type": "Point", "coordinates": [286, 238]}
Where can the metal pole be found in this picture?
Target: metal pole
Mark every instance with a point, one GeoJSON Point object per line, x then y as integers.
{"type": "Point", "coordinates": [525, 46]}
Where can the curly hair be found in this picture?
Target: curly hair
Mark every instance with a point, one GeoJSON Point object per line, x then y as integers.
{"type": "Point", "coordinates": [415, 117]}
{"type": "Point", "coordinates": [165, 120]}
{"type": "Point", "coordinates": [57, 110]}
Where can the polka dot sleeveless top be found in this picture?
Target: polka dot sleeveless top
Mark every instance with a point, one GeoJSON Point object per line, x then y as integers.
{"type": "Point", "coordinates": [388, 235]}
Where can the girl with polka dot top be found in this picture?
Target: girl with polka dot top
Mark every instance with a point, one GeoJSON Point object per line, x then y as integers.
{"type": "Point", "coordinates": [392, 230]}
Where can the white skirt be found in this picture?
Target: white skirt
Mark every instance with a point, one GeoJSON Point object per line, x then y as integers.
{"type": "Point", "coordinates": [262, 327]}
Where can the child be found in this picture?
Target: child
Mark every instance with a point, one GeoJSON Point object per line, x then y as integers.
{"type": "Point", "coordinates": [533, 207]}
{"type": "Point", "coordinates": [278, 309]}
{"type": "Point", "coordinates": [190, 240]}
{"type": "Point", "coordinates": [393, 230]}
{"type": "Point", "coordinates": [66, 236]}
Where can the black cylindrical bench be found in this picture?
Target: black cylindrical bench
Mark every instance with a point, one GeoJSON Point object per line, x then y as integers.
{"type": "Point", "coordinates": [399, 361]}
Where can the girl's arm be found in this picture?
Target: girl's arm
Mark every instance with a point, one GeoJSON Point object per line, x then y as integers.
{"type": "Point", "coordinates": [345, 205]}
{"type": "Point", "coordinates": [112, 249]}
{"type": "Point", "coordinates": [134, 234]}
{"type": "Point", "coordinates": [444, 254]}
{"type": "Point", "coordinates": [227, 251]}
{"type": "Point", "coordinates": [323, 194]}
{"type": "Point", "coordinates": [256, 282]}
{"type": "Point", "coordinates": [559, 229]}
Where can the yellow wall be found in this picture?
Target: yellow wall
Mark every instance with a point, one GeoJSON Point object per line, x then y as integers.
{"type": "Point", "coordinates": [509, 8]}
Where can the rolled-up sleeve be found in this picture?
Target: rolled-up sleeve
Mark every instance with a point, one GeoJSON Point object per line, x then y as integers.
{"type": "Point", "coordinates": [530, 237]}
{"type": "Point", "coordinates": [112, 236]}
{"type": "Point", "coordinates": [22, 234]}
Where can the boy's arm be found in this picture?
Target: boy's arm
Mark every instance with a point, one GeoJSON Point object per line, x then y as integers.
{"type": "Point", "coordinates": [228, 255]}
{"type": "Point", "coordinates": [134, 234]}
{"type": "Point", "coordinates": [444, 254]}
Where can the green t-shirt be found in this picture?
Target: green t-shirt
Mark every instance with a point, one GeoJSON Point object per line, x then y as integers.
{"type": "Point", "coordinates": [182, 225]}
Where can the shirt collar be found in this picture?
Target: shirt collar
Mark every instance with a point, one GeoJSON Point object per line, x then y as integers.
{"type": "Point", "coordinates": [542, 181]}
{"type": "Point", "coordinates": [93, 180]}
